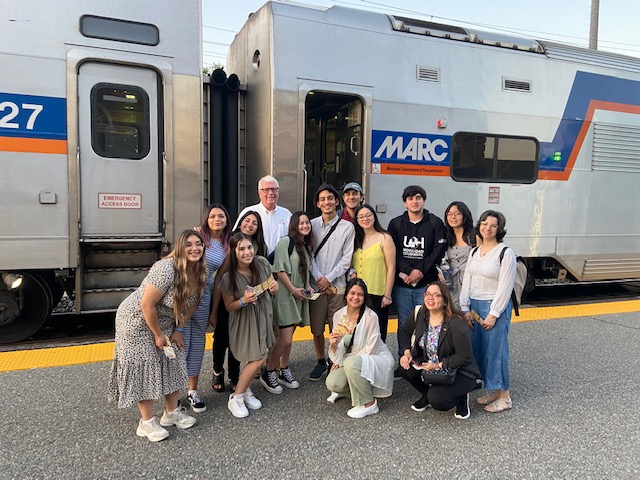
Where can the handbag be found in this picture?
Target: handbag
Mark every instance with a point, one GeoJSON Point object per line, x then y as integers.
{"type": "Point", "coordinates": [446, 376]}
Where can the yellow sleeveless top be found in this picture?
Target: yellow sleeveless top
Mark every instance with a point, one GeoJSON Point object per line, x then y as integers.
{"type": "Point", "coordinates": [371, 267]}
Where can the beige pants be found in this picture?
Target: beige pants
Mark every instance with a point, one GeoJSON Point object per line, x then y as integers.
{"type": "Point", "coordinates": [349, 382]}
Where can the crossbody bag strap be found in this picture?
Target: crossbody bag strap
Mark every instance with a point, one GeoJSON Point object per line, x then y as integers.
{"type": "Point", "coordinates": [324, 240]}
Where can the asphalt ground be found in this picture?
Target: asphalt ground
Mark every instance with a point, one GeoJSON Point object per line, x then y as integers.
{"type": "Point", "coordinates": [576, 414]}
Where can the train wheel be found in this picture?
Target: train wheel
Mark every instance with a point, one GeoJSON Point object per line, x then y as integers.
{"type": "Point", "coordinates": [16, 324]}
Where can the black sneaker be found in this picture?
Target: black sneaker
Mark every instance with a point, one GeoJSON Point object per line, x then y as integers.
{"type": "Point", "coordinates": [396, 373]}
{"type": "Point", "coordinates": [269, 381]}
{"type": "Point", "coordinates": [286, 378]}
{"type": "Point", "coordinates": [319, 370]}
{"type": "Point", "coordinates": [197, 405]}
{"type": "Point", "coordinates": [462, 410]}
{"type": "Point", "coordinates": [421, 405]}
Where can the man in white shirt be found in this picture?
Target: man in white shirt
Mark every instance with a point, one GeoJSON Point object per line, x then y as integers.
{"type": "Point", "coordinates": [275, 219]}
{"type": "Point", "coordinates": [328, 268]}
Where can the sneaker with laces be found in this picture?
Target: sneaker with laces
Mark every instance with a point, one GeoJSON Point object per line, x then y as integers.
{"type": "Point", "coordinates": [361, 411]}
{"type": "Point", "coordinates": [178, 417]}
{"type": "Point", "coordinates": [319, 370]}
{"type": "Point", "coordinates": [152, 430]}
{"type": "Point", "coordinates": [286, 378]}
{"type": "Point", "coordinates": [462, 410]}
{"type": "Point", "coordinates": [421, 405]}
{"type": "Point", "coordinates": [269, 380]}
{"type": "Point", "coordinates": [236, 406]}
{"type": "Point", "coordinates": [251, 401]}
{"type": "Point", "coordinates": [197, 405]}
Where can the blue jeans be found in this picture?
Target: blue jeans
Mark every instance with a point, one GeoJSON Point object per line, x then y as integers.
{"type": "Point", "coordinates": [406, 300]}
{"type": "Point", "coordinates": [491, 347]}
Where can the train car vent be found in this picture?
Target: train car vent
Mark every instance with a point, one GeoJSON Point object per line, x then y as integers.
{"type": "Point", "coordinates": [428, 74]}
{"type": "Point", "coordinates": [514, 85]}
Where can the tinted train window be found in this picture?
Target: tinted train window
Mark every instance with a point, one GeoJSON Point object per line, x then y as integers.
{"type": "Point", "coordinates": [494, 158]}
{"type": "Point", "coordinates": [120, 121]}
{"type": "Point", "coordinates": [119, 30]}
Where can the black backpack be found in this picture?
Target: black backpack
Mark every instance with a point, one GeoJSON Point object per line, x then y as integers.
{"type": "Point", "coordinates": [272, 255]}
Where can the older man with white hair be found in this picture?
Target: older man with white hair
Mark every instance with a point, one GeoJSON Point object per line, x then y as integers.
{"type": "Point", "coordinates": [275, 219]}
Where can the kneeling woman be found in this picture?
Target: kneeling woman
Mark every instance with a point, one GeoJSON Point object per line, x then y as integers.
{"type": "Point", "coordinates": [246, 290]}
{"type": "Point", "coordinates": [442, 340]}
{"type": "Point", "coordinates": [362, 364]}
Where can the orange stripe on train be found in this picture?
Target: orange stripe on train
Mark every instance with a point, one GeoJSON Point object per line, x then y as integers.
{"type": "Point", "coordinates": [32, 145]}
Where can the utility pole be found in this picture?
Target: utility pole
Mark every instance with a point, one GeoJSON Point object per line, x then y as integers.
{"type": "Point", "coordinates": [593, 31]}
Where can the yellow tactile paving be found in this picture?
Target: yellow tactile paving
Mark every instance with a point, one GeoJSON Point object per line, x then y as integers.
{"type": "Point", "coordinates": [101, 352]}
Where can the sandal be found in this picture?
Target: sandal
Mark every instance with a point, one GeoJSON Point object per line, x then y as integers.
{"type": "Point", "coordinates": [218, 381]}
{"type": "Point", "coordinates": [500, 405]}
{"type": "Point", "coordinates": [490, 397]}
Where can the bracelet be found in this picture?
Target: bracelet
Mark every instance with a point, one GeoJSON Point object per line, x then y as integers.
{"type": "Point", "coordinates": [388, 298]}
{"type": "Point", "coordinates": [240, 302]}
{"type": "Point", "coordinates": [179, 329]}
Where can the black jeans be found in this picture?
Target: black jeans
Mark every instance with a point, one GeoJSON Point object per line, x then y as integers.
{"type": "Point", "coordinates": [383, 314]}
{"type": "Point", "coordinates": [441, 397]}
{"type": "Point", "coordinates": [221, 345]}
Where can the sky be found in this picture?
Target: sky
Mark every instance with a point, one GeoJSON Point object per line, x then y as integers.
{"type": "Point", "coordinates": [566, 21]}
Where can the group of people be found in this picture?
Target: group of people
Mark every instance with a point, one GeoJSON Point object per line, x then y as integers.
{"type": "Point", "coordinates": [276, 271]}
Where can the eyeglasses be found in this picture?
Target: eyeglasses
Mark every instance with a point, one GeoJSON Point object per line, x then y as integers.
{"type": "Point", "coordinates": [454, 214]}
{"type": "Point", "coordinates": [366, 216]}
{"type": "Point", "coordinates": [269, 190]}
{"type": "Point", "coordinates": [486, 224]}
{"type": "Point", "coordinates": [432, 295]}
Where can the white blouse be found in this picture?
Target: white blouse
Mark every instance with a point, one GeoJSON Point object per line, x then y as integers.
{"type": "Point", "coordinates": [377, 361]}
{"type": "Point", "coordinates": [487, 279]}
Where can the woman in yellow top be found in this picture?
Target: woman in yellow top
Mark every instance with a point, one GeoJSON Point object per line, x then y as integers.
{"type": "Point", "coordinates": [374, 261]}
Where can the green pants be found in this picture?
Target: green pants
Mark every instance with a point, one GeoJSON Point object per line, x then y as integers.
{"type": "Point", "coordinates": [349, 382]}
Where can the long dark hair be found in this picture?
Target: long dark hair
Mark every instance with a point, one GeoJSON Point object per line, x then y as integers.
{"type": "Point", "coordinates": [449, 310]}
{"type": "Point", "coordinates": [357, 282]}
{"type": "Point", "coordinates": [233, 263]}
{"type": "Point", "coordinates": [302, 243]}
{"type": "Point", "coordinates": [359, 238]}
{"type": "Point", "coordinates": [258, 237]}
{"type": "Point", "coordinates": [205, 231]}
{"type": "Point", "coordinates": [468, 229]}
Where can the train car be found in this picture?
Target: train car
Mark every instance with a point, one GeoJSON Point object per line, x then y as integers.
{"type": "Point", "coordinates": [548, 134]}
{"type": "Point", "coordinates": [100, 149]}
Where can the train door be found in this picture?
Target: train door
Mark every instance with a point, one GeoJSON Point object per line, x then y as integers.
{"type": "Point", "coordinates": [333, 142]}
{"type": "Point", "coordinates": [120, 159]}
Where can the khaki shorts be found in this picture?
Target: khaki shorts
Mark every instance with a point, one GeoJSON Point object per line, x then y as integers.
{"type": "Point", "coordinates": [321, 312]}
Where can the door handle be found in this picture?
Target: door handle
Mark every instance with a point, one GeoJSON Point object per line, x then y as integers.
{"type": "Point", "coordinates": [351, 143]}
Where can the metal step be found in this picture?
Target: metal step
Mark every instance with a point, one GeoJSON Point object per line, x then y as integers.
{"type": "Point", "coordinates": [114, 277]}
{"type": "Point", "coordinates": [104, 298]}
{"type": "Point", "coordinates": [97, 259]}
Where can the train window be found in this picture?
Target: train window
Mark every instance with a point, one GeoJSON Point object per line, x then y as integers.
{"type": "Point", "coordinates": [120, 121]}
{"type": "Point", "coordinates": [480, 157]}
{"type": "Point", "coordinates": [119, 30]}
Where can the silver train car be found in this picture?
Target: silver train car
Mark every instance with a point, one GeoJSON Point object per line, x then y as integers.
{"type": "Point", "coordinates": [100, 149]}
{"type": "Point", "coordinates": [548, 134]}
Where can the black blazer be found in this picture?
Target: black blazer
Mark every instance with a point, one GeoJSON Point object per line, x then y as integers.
{"type": "Point", "coordinates": [454, 342]}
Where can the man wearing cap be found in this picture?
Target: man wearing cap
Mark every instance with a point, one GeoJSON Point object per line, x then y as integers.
{"type": "Point", "coordinates": [353, 196]}
{"type": "Point", "coordinates": [333, 238]}
{"type": "Point", "coordinates": [275, 219]}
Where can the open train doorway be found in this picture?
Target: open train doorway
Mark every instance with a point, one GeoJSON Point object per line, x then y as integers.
{"type": "Point", "coordinates": [333, 142]}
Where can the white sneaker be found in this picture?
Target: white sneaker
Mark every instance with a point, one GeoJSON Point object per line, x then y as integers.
{"type": "Point", "coordinates": [178, 417]}
{"type": "Point", "coordinates": [361, 411]}
{"type": "Point", "coordinates": [251, 401]}
{"type": "Point", "coordinates": [236, 406]}
{"type": "Point", "coordinates": [333, 397]}
{"type": "Point", "coordinates": [152, 430]}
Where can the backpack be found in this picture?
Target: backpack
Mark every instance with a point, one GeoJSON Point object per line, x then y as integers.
{"type": "Point", "coordinates": [519, 284]}
{"type": "Point", "coordinates": [272, 255]}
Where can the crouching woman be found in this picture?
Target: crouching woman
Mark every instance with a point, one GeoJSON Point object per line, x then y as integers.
{"type": "Point", "coordinates": [362, 364]}
{"type": "Point", "coordinates": [441, 340]}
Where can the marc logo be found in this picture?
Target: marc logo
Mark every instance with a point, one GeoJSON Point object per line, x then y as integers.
{"type": "Point", "coordinates": [413, 242]}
